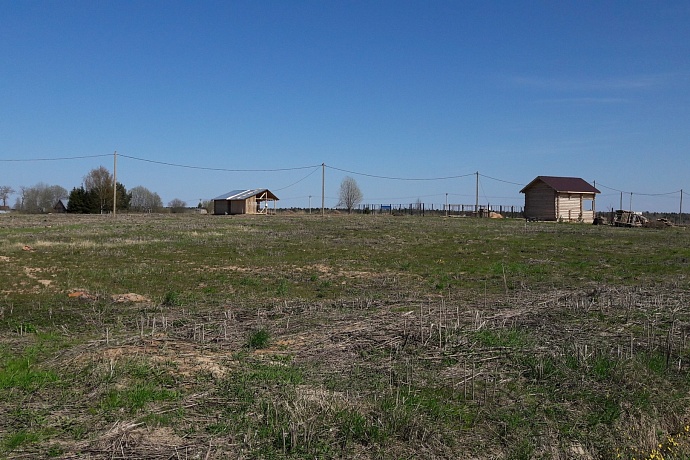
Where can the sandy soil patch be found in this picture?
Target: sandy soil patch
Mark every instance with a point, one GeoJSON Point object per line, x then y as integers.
{"type": "Point", "coordinates": [189, 359]}
{"type": "Point", "coordinates": [82, 295]}
{"type": "Point", "coordinates": [130, 297]}
{"type": "Point", "coordinates": [129, 437]}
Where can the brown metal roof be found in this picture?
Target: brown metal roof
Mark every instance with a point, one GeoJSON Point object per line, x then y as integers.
{"type": "Point", "coordinates": [563, 184]}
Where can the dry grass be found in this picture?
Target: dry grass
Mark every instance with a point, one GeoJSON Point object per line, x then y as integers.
{"type": "Point", "coordinates": [383, 338]}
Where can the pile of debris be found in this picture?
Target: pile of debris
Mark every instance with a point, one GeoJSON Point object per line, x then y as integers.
{"type": "Point", "coordinates": [659, 223]}
{"type": "Point", "coordinates": [623, 218]}
{"type": "Point", "coordinates": [629, 219]}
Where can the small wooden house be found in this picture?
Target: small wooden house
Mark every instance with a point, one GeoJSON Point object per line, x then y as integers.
{"type": "Point", "coordinates": [245, 202]}
{"type": "Point", "coordinates": [568, 199]}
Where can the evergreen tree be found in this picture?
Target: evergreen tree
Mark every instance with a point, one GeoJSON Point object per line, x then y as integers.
{"type": "Point", "coordinates": [123, 198]}
{"type": "Point", "coordinates": [82, 202]}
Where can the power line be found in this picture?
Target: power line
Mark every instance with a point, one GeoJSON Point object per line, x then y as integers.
{"type": "Point", "coordinates": [205, 168]}
{"type": "Point", "coordinates": [56, 159]}
{"type": "Point", "coordinates": [295, 183]}
{"type": "Point", "coordinates": [656, 194]}
{"type": "Point", "coordinates": [501, 180]}
{"type": "Point", "coordinates": [610, 188]}
{"type": "Point", "coordinates": [638, 193]}
{"type": "Point", "coordinates": [398, 178]}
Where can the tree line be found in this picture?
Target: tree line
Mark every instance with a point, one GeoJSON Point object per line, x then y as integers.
{"type": "Point", "coordinates": [37, 199]}
{"type": "Point", "coordinates": [94, 196]}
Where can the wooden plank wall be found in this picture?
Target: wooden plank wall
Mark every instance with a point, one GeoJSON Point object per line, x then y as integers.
{"type": "Point", "coordinates": [572, 208]}
{"type": "Point", "coordinates": [238, 207]}
{"type": "Point", "coordinates": [221, 207]}
{"type": "Point", "coordinates": [540, 202]}
{"type": "Point", "coordinates": [568, 207]}
{"type": "Point", "coordinates": [250, 205]}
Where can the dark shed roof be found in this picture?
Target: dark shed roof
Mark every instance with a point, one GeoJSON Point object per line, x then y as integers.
{"type": "Point", "coordinates": [563, 184]}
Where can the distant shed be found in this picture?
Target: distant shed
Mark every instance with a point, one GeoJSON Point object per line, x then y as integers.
{"type": "Point", "coordinates": [253, 201]}
{"type": "Point", "coordinates": [62, 205]}
{"type": "Point", "coordinates": [569, 199]}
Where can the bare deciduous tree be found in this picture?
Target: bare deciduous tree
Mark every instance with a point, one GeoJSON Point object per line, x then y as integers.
{"type": "Point", "coordinates": [350, 195]}
{"type": "Point", "coordinates": [5, 192]}
{"type": "Point", "coordinates": [144, 200]}
{"type": "Point", "coordinates": [177, 205]}
{"type": "Point", "coordinates": [99, 182]}
{"type": "Point", "coordinates": [40, 198]}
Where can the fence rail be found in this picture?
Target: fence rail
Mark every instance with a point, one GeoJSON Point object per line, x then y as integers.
{"type": "Point", "coordinates": [422, 209]}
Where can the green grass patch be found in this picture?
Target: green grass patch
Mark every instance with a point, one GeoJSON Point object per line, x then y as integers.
{"type": "Point", "coordinates": [258, 339]}
{"type": "Point", "coordinates": [23, 373]}
{"type": "Point", "coordinates": [134, 398]}
{"type": "Point", "coordinates": [510, 338]}
{"type": "Point", "coordinates": [19, 438]}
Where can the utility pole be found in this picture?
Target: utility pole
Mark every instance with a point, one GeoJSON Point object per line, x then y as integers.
{"type": "Point", "coordinates": [446, 204]}
{"type": "Point", "coordinates": [309, 204]}
{"type": "Point", "coordinates": [323, 189]}
{"type": "Point", "coordinates": [476, 196]}
{"type": "Point", "coordinates": [680, 211]}
{"type": "Point", "coordinates": [114, 183]}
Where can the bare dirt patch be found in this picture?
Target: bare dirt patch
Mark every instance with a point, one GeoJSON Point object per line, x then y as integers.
{"type": "Point", "coordinates": [188, 359]}
{"type": "Point", "coordinates": [130, 297]}
{"type": "Point", "coordinates": [82, 295]}
{"type": "Point", "coordinates": [134, 438]}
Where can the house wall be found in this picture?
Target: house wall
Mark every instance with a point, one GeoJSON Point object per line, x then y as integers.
{"type": "Point", "coordinates": [250, 204]}
{"type": "Point", "coordinates": [221, 207]}
{"type": "Point", "coordinates": [237, 207]}
{"type": "Point", "coordinates": [574, 207]}
{"type": "Point", "coordinates": [540, 202]}
{"type": "Point", "coordinates": [568, 207]}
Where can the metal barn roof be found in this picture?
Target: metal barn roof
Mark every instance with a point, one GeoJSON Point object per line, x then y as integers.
{"type": "Point", "coordinates": [244, 194]}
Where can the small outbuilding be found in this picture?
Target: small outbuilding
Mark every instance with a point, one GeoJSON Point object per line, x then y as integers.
{"type": "Point", "coordinates": [62, 205]}
{"type": "Point", "coordinates": [255, 201]}
{"type": "Point", "coordinates": [568, 199]}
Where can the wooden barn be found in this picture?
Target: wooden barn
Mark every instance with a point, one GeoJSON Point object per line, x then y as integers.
{"type": "Point", "coordinates": [568, 199]}
{"type": "Point", "coordinates": [245, 202]}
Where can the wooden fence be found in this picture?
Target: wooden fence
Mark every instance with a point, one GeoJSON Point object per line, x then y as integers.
{"type": "Point", "coordinates": [425, 209]}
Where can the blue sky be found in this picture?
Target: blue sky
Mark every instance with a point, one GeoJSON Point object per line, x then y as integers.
{"type": "Point", "coordinates": [405, 89]}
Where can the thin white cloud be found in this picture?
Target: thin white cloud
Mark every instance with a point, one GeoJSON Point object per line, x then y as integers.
{"type": "Point", "coordinates": [585, 100]}
{"type": "Point", "coordinates": [594, 84]}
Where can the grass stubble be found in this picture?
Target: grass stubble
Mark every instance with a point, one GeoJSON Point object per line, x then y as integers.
{"type": "Point", "coordinates": [297, 336]}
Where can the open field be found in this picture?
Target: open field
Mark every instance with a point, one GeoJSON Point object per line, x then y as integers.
{"type": "Point", "coordinates": [207, 337]}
